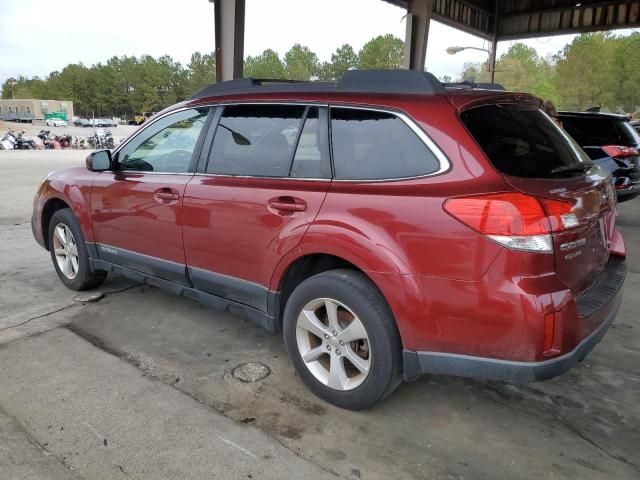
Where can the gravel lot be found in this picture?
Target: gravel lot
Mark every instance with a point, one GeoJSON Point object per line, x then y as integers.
{"type": "Point", "coordinates": [139, 385]}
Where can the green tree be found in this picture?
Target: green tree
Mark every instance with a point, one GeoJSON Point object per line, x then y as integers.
{"type": "Point", "coordinates": [584, 71]}
{"type": "Point", "coordinates": [382, 52]}
{"type": "Point", "coordinates": [343, 59]}
{"type": "Point", "coordinates": [201, 71]}
{"type": "Point", "coordinates": [301, 63]}
{"type": "Point", "coordinates": [23, 87]}
{"type": "Point", "coordinates": [475, 72]}
{"type": "Point", "coordinates": [626, 72]}
{"type": "Point", "coordinates": [265, 65]}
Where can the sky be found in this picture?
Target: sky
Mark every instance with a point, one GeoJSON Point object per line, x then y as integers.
{"type": "Point", "coordinates": [39, 36]}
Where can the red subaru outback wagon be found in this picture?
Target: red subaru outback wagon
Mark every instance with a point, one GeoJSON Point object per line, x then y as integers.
{"type": "Point", "coordinates": [387, 225]}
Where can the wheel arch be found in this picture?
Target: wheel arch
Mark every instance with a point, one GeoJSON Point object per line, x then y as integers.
{"type": "Point", "coordinates": [51, 206]}
{"type": "Point", "coordinates": [305, 265]}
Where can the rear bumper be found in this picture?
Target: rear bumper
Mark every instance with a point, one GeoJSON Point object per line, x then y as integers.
{"type": "Point", "coordinates": [606, 295]}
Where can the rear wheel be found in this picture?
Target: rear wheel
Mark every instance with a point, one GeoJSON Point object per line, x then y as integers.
{"type": "Point", "coordinates": [69, 253]}
{"type": "Point", "coordinates": [342, 339]}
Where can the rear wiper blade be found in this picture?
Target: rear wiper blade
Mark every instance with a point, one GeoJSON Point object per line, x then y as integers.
{"type": "Point", "coordinates": [578, 167]}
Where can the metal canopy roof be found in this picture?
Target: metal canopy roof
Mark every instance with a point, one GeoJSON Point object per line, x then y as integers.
{"type": "Point", "coordinates": [513, 19]}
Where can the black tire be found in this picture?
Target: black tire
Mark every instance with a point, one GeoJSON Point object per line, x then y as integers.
{"type": "Point", "coordinates": [84, 278]}
{"type": "Point", "coordinates": [355, 291]}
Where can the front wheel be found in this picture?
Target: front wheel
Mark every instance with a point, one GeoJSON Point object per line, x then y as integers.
{"type": "Point", "coordinates": [69, 253]}
{"type": "Point", "coordinates": [342, 339]}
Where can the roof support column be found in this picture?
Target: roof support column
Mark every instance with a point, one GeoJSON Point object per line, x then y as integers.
{"type": "Point", "coordinates": [229, 27]}
{"type": "Point", "coordinates": [494, 44]}
{"type": "Point", "coordinates": [417, 33]}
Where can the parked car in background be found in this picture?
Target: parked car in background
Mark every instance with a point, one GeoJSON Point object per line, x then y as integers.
{"type": "Point", "coordinates": [81, 122]}
{"type": "Point", "coordinates": [636, 124]}
{"type": "Point", "coordinates": [56, 122]}
{"type": "Point", "coordinates": [102, 122]}
{"type": "Point", "coordinates": [611, 142]}
{"type": "Point", "coordinates": [405, 228]}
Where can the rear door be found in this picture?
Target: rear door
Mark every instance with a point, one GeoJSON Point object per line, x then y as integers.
{"type": "Point", "coordinates": [258, 188]}
{"type": "Point", "coordinates": [537, 157]}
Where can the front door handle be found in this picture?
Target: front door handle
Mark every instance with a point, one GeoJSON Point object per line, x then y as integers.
{"type": "Point", "coordinates": [166, 195]}
{"type": "Point", "coordinates": [288, 204]}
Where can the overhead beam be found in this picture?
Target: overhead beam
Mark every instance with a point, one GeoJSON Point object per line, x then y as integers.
{"type": "Point", "coordinates": [229, 37]}
{"type": "Point", "coordinates": [417, 33]}
{"type": "Point", "coordinates": [571, 19]}
{"type": "Point", "coordinates": [461, 14]}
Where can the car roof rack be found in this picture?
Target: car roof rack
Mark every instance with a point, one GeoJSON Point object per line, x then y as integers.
{"type": "Point", "coordinates": [470, 83]}
{"type": "Point", "coordinates": [353, 81]}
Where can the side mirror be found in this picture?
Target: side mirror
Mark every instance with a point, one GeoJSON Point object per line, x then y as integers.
{"type": "Point", "coordinates": [99, 161]}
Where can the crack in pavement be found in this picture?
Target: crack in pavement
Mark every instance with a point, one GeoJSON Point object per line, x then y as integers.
{"type": "Point", "coordinates": [581, 435]}
{"type": "Point", "coordinates": [32, 440]}
{"type": "Point", "coordinates": [67, 307]}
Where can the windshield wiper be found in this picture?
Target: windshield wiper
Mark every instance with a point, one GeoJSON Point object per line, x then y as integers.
{"type": "Point", "coordinates": [578, 167]}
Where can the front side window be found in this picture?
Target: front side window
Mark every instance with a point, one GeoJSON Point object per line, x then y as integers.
{"type": "Point", "coordinates": [373, 145]}
{"type": "Point", "coordinates": [255, 140]}
{"type": "Point", "coordinates": [165, 146]}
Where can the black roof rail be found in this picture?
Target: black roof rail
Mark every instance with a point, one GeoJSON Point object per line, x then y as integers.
{"type": "Point", "coordinates": [470, 83]}
{"type": "Point", "coordinates": [353, 81]}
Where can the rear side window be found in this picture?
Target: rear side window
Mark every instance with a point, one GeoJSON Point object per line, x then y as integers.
{"type": "Point", "coordinates": [255, 140]}
{"type": "Point", "coordinates": [521, 141]}
{"type": "Point", "coordinates": [372, 145]}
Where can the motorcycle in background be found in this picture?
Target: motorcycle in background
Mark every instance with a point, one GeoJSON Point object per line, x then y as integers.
{"type": "Point", "coordinates": [101, 139]}
{"type": "Point", "coordinates": [48, 140]}
{"type": "Point", "coordinates": [16, 141]}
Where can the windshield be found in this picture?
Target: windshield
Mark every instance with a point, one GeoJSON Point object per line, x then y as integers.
{"type": "Point", "coordinates": [522, 141]}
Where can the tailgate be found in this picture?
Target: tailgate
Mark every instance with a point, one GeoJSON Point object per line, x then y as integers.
{"type": "Point", "coordinates": [538, 158]}
{"type": "Point", "coordinates": [580, 252]}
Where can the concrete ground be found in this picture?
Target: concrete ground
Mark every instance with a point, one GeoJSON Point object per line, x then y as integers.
{"type": "Point", "coordinates": [138, 385]}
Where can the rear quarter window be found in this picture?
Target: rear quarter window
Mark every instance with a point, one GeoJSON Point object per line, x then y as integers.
{"type": "Point", "coordinates": [374, 145]}
{"type": "Point", "coordinates": [521, 141]}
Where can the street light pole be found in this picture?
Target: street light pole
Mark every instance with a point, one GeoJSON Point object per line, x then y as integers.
{"type": "Point", "coordinates": [12, 82]}
{"type": "Point", "coordinates": [492, 57]}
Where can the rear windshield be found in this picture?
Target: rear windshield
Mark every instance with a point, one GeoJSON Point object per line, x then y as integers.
{"type": "Point", "coordinates": [593, 131]}
{"type": "Point", "coordinates": [521, 141]}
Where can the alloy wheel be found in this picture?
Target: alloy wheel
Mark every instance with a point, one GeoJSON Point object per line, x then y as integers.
{"type": "Point", "coordinates": [66, 251]}
{"type": "Point", "coordinates": [334, 344]}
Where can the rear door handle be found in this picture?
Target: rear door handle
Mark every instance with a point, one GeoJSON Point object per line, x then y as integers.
{"type": "Point", "coordinates": [288, 204]}
{"type": "Point", "coordinates": [166, 195]}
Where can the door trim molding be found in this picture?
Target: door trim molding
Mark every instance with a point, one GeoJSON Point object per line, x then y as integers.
{"type": "Point", "coordinates": [225, 292]}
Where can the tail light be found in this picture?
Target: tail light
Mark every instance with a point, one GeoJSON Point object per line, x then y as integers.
{"type": "Point", "coordinates": [514, 220]}
{"type": "Point", "coordinates": [620, 151]}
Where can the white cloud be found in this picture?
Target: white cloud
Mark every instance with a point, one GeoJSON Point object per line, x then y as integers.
{"type": "Point", "coordinates": [38, 37]}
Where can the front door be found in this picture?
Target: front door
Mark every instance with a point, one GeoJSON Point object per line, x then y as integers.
{"type": "Point", "coordinates": [267, 175]}
{"type": "Point", "coordinates": [137, 209]}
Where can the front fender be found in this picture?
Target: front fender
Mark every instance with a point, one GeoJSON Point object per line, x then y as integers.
{"type": "Point", "coordinates": [73, 187]}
